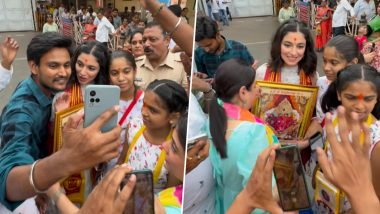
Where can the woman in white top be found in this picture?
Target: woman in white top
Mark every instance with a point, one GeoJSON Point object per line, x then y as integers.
{"type": "Point", "coordinates": [50, 25]}
{"type": "Point", "coordinates": [285, 12]}
{"type": "Point", "coordinates": [293, 59]}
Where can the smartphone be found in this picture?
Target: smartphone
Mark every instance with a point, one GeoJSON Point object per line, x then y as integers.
{"type": "Point", "coordinates": [290, 179]}
{"type": "Point", "coordinates": [142, 198]}
{"type": "Point", "coordinates": [97, 100]}
{"type": "Point", "coordinates": [192, 141]}
{"type": "Point", "coordinates": [316, 141]}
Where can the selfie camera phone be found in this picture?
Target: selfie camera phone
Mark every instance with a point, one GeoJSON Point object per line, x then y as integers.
{"type": "Point", "coordinates": [142, 198]}
{"type": "Point", "coordinates": [97, 100]}
{"type": "Point", "coordinates": [290, 179]}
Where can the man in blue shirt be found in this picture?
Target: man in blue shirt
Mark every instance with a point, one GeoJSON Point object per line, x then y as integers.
{"type": "Point", "coordinates": [25, 167]}
{"type": "Point", "coordinates": [214, 48]}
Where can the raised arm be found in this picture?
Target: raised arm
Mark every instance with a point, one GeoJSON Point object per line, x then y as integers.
{"type": "Point", "coordinates": [182, 33]}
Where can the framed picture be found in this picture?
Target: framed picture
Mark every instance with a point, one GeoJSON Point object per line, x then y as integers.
{"type": "Point", "coordinates": [61, 119]}
{"type": "Point", "coordinates": [286, 108]}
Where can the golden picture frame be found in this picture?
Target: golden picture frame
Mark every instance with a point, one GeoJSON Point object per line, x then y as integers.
{"type": "Point", "coordinates": [287, 108]}
{"type": "Point", "coordinates": [60, 120]}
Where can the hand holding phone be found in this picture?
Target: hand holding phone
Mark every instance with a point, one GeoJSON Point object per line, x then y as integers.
{"type": "Point", "coordinates": [316, 141]}
{"type": "Point", "coordinates": [290, 179]}
{"type": "Point", "coordinates": [197, 153]}
{"type": "Point", "coordinates": [142, 200]}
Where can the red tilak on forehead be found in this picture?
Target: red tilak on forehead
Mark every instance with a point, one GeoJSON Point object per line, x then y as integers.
{"type": "Point", "coordinates": [360, 97]}
{"type": "Point", "coordinates": [85, 60]}
{"type": "Point", "coordinates": [295, 39]}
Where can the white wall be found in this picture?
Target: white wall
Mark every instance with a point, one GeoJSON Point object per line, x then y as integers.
{"type": "Point", "coordinates": [16, 15]}
{"type": "Point", "coordinates": [246, 8]}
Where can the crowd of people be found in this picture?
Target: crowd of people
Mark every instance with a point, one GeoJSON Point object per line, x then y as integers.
{"type": "Point", "coordinates": [152, 114]}
{"type": "Point", "coordinates": [222, 167]}
{"type": "Point", "coordinates": [189, 124]}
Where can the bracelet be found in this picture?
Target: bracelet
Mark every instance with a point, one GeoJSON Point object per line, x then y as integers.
{"type": "Point", "coordinates": [175, 27]}
{"type": "Point", "coordinates": [155, 13]}
{"type": "Point", "coordinates": [31, 180]}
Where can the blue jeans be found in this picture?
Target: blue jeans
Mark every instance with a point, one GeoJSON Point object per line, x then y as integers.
{"type": "Point", "coordinates": [223, 17]}
{"type": "Point", "coordinates": [210, 12]}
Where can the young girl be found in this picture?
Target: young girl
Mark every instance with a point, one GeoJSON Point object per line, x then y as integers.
{"type": "Point", "coordinates": [293, 59]}
{"type": "Point", "coordinates": [122, 72]}
{"type": "Point", "coordinates": [164, 101]}
{"type": "Point", "coordinates": [361, 38]}
{"type": "Point", "coordinates": [237, 135]}
{"type": "Point", "coordinates": [171, 198]}
{"type": "Point", "coordinates": [357, 89]}
{"type": "Point", "coordinates": [340, 52]}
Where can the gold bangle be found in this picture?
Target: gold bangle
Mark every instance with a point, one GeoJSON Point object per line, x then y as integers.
{"type": "Point", "coordinates": [155, 13]}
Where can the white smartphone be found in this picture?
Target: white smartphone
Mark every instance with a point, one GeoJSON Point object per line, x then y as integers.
{"type": "Point", "coordinates": [97, 100]}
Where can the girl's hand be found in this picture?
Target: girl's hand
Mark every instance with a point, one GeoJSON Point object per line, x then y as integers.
{"type": "Point", "coordinates": [369, 57]}
{"type": "Point", "coordinates": [158, 208]}
{"type": "Point", "coordinates": [258, 191]}
{"type": "Point", "coordinates": [197, 154]}
{"type": "Point", "coordinates": [62, 102]}
{"type": "Point", "coordinates": [53, 189]}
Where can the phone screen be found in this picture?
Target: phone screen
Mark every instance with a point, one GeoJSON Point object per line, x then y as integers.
{"type": "Point", "coordinates": [290, 179]}
{"type": "Point", "coordinates": [142, 198]}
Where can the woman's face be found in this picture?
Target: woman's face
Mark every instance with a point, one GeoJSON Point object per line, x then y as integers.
{"type": "Point", "coordinates": [175, 156]}
{"type": "Point", "coordinates": [293, 48]}
{"type": "Point", "coordinates": [122, 74]}
{"type": "Point", "coordinates": [87, 68]}
{"type": "Point", "coordinates": [137, 45]}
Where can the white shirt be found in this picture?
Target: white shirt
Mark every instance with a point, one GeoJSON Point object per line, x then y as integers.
{"type": "Point", "coordinates": [5, 77]}
{"type": "Point", "coordinates": [362, 6]}
{"type": "Point", "coordinates": [79, 12]}
{"type": "Point", "coordinates": [214, 6]}
{"type": "Point", "coordinates": [103, 28]}
{"type": "Point", "coordinates": [288, 74]}
{"type": "Point", "coordinates": [221, 5]}
{"type": "Point", "coordinates": [323, 84]}
{"type": "Point", "coordinates": [340, 15]}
